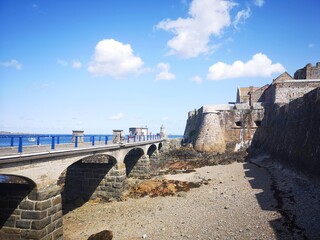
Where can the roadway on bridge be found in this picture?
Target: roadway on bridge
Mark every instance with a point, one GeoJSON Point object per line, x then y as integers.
{"type": "Point", "coordinates": [12, 152]}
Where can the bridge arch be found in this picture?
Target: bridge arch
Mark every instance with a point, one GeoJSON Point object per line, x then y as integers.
{"type": "Point", "coordinates": [85, 179]}
{"type": "Point", "coordinates": [131, 159]}
{"type": "Point", "coordinates": [15, 192]}
{"type": "Point", "coordinates": [151, 150]}
{"type": "Point", "coordinates": [160, 146]}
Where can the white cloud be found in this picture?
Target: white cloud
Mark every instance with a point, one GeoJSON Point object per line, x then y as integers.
{"type": "Point", "coordinates": [192, 34]}
{"type": "Point", "coordinates": [76, 64]}
{"type": "Point", "coordinates": [258, 3]}
{"type": "Point", "coordinates": [12, 64]}
{"type": "Point", "coordinates": [241, 17]}
{"type": "Point", "coordinates": [116, 117]}
{"type": "Point", "coordinates": [259, 66]}
{"type": "Point", "coordinates": [113, 58]}
{"type": "Point", "coordinates": [164, 72]}
{"type": "Point", "coordinates": [196, 79]}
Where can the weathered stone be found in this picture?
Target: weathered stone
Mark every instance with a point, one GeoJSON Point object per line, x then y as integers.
{"type": "Point", "coordinates": [111, 179]}
{"type": "Point", "coordinates": [45, 194]}
{"type": "Point", "coordinates": [58, 233]}
{"type": "Point", "coordinates": [42, 205]}
{"type": "Point", "coordinates": [121, 178]}
{"type": "Point", "coordinates": [9, 231]}
{"type": "Point", "coordinates": [56, 216]}
{"type": "Point", "coordinates": [40, 224]}
{"type": "Point", "coordinates": [10, 222]}
{"type": "Point", "coordinates": [51, 227]}
{"type": "Point", "coordinates": [23, 224]}
{"type": "Point", "coordinates": [56, 200]}
{"type": "Point", "coordinates": [52, 210]}
{"type": "Point", "coordinates": [59, 207]}
{"type": "Point", "coordinates": [58, 223]}
{"type": "Point", "coordinates": [27, 204]}
{"type": "Point", "coordinates": [36, 215]}
{"type": "Point", "coordinates": [48, 237]}
{"type": "Point", "coordinates": [118, 185]}
{"type": "Point", "coordinates": [33, 234]}
{"type": "Point", "coordinates": [16, 212]}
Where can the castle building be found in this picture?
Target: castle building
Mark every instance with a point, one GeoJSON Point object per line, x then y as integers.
{"type": "Point", "coordinates": [217, 128]}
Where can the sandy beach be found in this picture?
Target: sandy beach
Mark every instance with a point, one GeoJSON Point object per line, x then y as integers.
{"type": "Point", "coordinates": [256, 200]}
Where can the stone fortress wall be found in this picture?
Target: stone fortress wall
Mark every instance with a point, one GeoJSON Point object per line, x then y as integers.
{"type": "Point", "coordinates": [232, 127]}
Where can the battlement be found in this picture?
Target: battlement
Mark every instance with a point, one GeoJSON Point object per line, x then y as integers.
{"type": "Point", "coordinates": [308, 72]}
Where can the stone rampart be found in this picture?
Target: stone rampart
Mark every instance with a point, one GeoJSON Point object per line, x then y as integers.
{"type": "Point", "coordinates": [293, 135]}
{"type": "Point", "coordinates": [287, 91]}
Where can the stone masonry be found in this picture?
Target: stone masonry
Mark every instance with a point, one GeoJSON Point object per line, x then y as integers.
{"type": "Point", "coordinates": [37, 216]}
{"type": "Point", "coordinates": [92, 180]}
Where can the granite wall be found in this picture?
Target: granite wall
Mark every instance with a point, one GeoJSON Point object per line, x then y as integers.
{"type": "Point", "coordinates": [293, 133]}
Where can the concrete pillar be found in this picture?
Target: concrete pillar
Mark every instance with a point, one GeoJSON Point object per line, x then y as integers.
{"type": "Point", "coordinates": [37, 216]}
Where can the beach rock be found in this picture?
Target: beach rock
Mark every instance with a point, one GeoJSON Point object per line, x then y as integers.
{"type": "Point", "coordinates": [163, 187]}
{"type": "Point", "coordinates": [103, 235]}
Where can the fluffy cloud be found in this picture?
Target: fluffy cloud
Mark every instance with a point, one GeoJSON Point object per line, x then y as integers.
{"type": "Point", "coordinates": [164, 72]}
{"type": "Point", "coordinates": [116, 117]}
{"type": "Point", "coordinates": [241, 17]}
{"type": "Point", "coordinates": [192, 34]}
{"type": "Point", "coordinates": [258, 3]}
{"type": "Point", "coordinates": [196, 79]}
{"type": "Point", "coordinates": [259, 66]}
{"type": "Point", "coordinates": [115, 59]}
{"type": "Point", "coordinates": [12, 64]}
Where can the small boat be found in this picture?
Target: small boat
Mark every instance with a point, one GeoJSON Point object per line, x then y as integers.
{"type": "Point", "coordinates": [31, 139]}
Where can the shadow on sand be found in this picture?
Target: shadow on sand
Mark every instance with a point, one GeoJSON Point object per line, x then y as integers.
{"type": "Point", "coordinates": [280, 194]}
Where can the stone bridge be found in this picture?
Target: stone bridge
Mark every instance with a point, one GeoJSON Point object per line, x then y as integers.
{"type": "Point", "coordinates": [35, 186]}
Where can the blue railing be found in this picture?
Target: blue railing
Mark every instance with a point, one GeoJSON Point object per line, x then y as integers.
{"type": "Point", "coordinates": [13, 140]}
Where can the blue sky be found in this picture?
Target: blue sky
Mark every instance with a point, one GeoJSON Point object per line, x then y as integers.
{"type": "Point", "coordinates": [113, 64]}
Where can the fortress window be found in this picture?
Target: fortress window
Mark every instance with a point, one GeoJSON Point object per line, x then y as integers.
{"type": "Point", "coordinates": [238, 123]}
{"type": "Point", "coordinates": [258, 123]}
